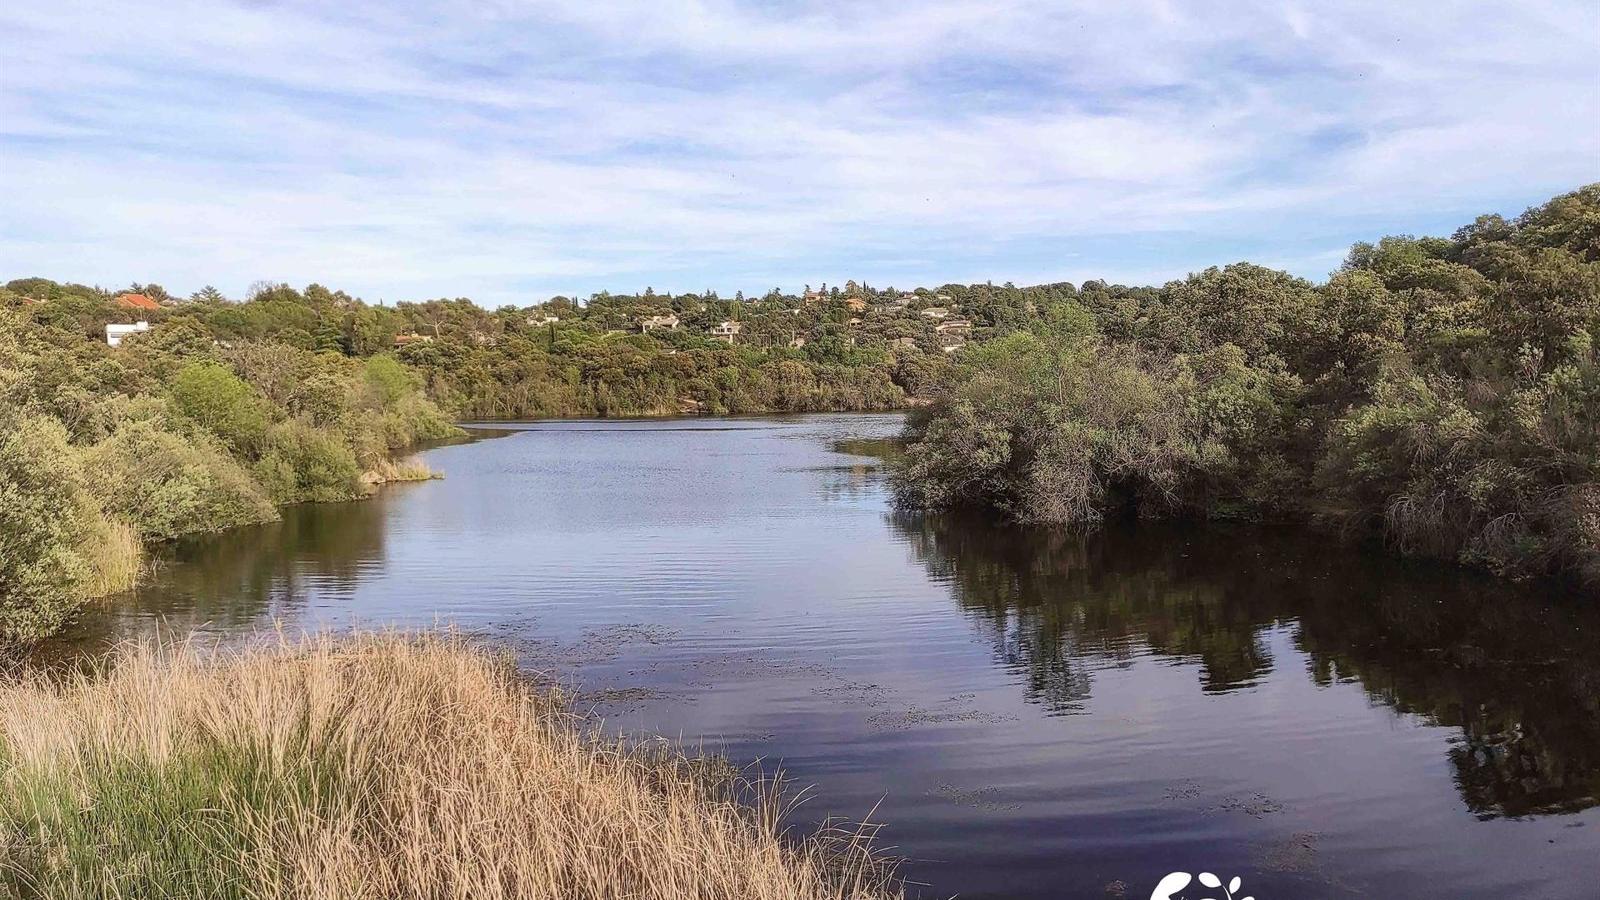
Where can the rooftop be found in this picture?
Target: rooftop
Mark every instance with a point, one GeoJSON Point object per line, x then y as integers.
{"type": "Point", "coordinates": [136, 301]}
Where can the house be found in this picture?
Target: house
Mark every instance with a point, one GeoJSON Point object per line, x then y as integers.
{"type": "Point", "coordinates": [544, 319]}
{"type": "Point", "coordinates": [668, 322]}
{"type": "Point", "coordinates": [909, 343]}
{"type": "Point", "coordinates": [856, 304]}
{"type": "Point", "coordinates": [135, 301]}
{"type": "Point", "coordinates": [796, 342]}
{"type": "Point", "coordinates": [936, 312]}
{"type": "Point", "coordinates": [726, 331]}
{"type": "Point", "coordinates": [951, 345]}
{"type": "Point", "coordinates": [956, 327]}
{"type": "Point", "coordinates": [115, 333]}
{"type": "Point", "coordinates": [811, 296]}
{"type": "Point", "coordinates": [401, 340]}
{"type": "Point", "coordinates": [854, 322]}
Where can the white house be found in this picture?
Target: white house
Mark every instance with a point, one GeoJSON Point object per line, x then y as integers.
{"type": "Point", "coordinates": [725, 331]}
{"type": "Point", "coordinates": [115, 333]}
{"type": "Point", "coordinates": [668, 322]}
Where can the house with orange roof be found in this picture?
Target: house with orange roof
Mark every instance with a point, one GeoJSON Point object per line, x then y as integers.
{"type": "Point", "coordinates": [136, 301]}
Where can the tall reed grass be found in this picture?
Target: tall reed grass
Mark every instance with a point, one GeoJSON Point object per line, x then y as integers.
{"type": "Point", "coordinates": [115, 555]}
{"type": "Point", "coordinates": [377, 766]}
{"type": "Point", "coordinates": [391, 470]}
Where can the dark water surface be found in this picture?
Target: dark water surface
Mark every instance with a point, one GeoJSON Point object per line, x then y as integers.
{"type": "Point", "coordinates": [1041, 715]}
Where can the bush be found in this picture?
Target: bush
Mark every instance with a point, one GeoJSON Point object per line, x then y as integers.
{"type": "Point", "coordinates": [223, 404]}
{"type": "Point", "coordinates": [387, 380]}
{"type": "Point", "coordinates": [1053, 431]}
{"type": "Point", "coordinates": [44, 514]}
{"type": "Point", "coordinates": [304, 464]}
{"type": "Point", "coordinates": [165, 485]}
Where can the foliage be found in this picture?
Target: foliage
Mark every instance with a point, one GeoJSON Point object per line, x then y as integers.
{"type": "Point", "coordinates": [171, 434]}
{"type": "Point", "coordinates": [166, 485]}
{"type": "Point", "coordinates": [1441, 392]}
{"type": "Point", "coordinates": [43, 517]}
{"type": "Point", "coordinates": [222, 403]}
{"type": "Point", "coordinates": [303, 463]}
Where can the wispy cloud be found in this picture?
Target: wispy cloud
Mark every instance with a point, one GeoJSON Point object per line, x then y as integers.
{"type": "Point", "coordinates": [509, 150]}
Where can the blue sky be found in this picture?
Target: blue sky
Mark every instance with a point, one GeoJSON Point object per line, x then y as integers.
{"type": "Point", "coordinates": [508, 150]}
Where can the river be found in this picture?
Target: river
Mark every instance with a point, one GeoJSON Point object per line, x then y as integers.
{"type": "Point", "coordinates": [1033, 713]}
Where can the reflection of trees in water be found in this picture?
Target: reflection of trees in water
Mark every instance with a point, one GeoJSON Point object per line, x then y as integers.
{"type": "Point", "coordinates": [248, 576]}
{"type": "Point", "coordinates": [1519, 676]}
{"type": "Point", "coordinates": [1061, 601]}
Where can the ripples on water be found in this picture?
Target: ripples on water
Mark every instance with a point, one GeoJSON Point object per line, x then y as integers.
{"type": "Point", "coordinates": [1042, 714]}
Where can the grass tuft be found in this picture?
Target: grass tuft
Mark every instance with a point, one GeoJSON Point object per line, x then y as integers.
{"type": "Point", "coordinates": [390, 470]}
{"type": "Point", "coordinates": [374, 766]}
{"type": "Point", "coordinates": [115, 555]}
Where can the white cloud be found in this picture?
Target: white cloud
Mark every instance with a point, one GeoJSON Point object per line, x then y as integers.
{"type": "Point", "coordinates": [508, 150]}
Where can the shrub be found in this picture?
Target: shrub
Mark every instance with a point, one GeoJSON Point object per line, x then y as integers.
{"type": "Point", "coordinates": [1052, 431]}
{"type": "Point", "coordinates": [165, 485]}
{"type": "Point", "coordinates": [303, 464]}
{"type": "Point", "coordinates": [223, 404]}
{"type": "Point", "coordinates": [44, 514]}
{"type": "Point", "coordinates": [387, 380]}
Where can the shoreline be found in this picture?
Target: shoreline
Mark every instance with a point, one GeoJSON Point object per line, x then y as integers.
{"type": "Point", "coordinates": [378, 765]}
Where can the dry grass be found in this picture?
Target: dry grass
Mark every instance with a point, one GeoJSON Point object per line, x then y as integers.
{"type": "Point", "coordinates": [115, 555]}
{"type": "Point", "coordinates": [389, 470]}
{"type": "Point", "coordinates": [372, 766]}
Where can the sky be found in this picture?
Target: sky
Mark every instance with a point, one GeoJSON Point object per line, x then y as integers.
{"type": "Point", "coordinates": [509, 151]}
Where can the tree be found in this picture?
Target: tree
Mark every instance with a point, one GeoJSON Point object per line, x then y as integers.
{"type": "Point", "coordinates": [223, 404]}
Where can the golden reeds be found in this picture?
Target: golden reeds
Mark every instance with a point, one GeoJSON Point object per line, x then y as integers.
{"type": "Point", "coordinates": [373, 766]}
{"type": "Point", "coordinates": [390, 470]}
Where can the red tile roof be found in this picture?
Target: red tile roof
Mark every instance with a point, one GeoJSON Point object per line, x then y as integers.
{"type": "Point", "coordinates": [136, 301]}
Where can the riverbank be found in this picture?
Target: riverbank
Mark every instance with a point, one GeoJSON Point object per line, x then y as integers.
{"type": "Point", "coordinates": [374, 766]}
{"type": "Point", "coordinates": [1036, 712]}
{"type": "Point", "coordinates": [1442, 394]}
{"type": "Point", "coordinates": [108, 451]}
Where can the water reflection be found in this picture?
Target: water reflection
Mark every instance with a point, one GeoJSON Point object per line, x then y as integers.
{"type": "Point", "coordinates": [1517, 673]}
{"type": "Point", "coordinates": [243, 578]}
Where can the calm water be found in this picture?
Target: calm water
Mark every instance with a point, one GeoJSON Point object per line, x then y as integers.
{"type": "Point", "coordinates": [1040, 715]}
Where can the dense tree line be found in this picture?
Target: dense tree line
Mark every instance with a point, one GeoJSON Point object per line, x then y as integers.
{"type": "Point", "coordinates": [103, 450]}
{"type": "Point", "coordinates": [225, 410]}
{"type": "Point", "coordinates": [1441, 392]}
{"type": "Point", "coordinates": [560, 358]}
